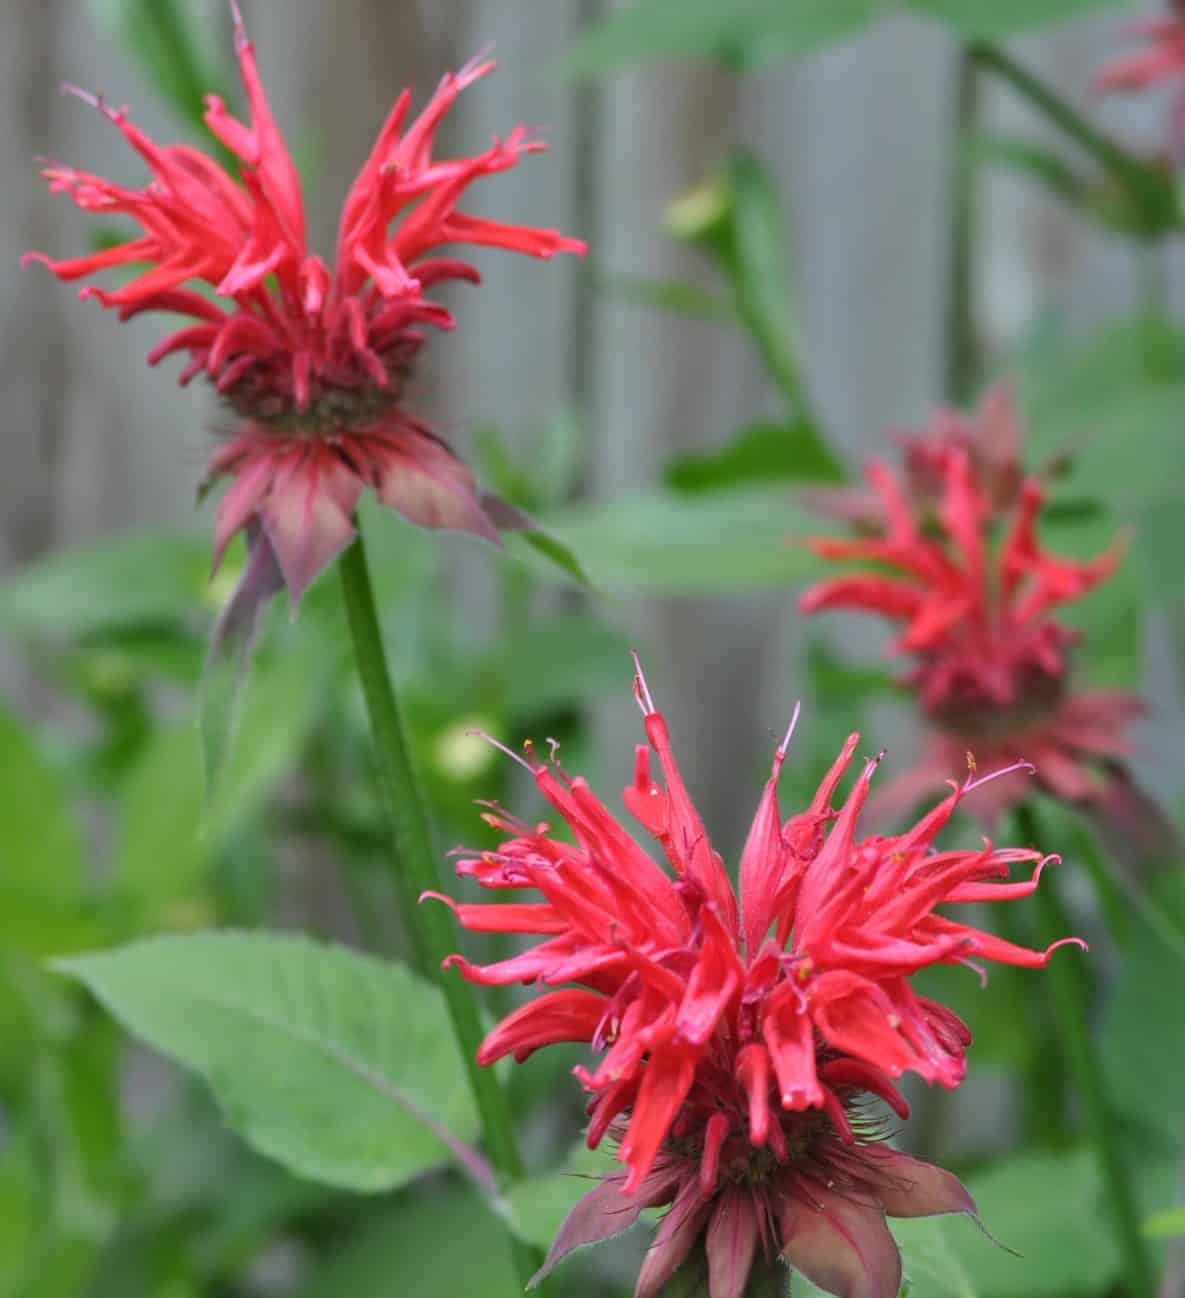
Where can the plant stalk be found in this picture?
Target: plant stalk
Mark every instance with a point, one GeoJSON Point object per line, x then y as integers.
{"type": "Point", "coordinates": [413, 863]}
{"type": "Point", "coordinates": [1070, 1014]}
{"type": "Point", "coordinates": [1146, 190]}
{"type": "Point", "coordinates": [962, 348]}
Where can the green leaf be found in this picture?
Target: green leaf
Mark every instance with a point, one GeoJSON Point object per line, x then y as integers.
{"type": "Point", "coordinates": [558, 662]}
{"type": "Point", "coordinates": [930, 1261]}
{"type": "Point", "coordinates": [158, 850]}
{"type": "Point", "coordinates": [539, 1205]}
{"type": "Point", "coordinates": [992, 19]}
{"type": "Point", "coordinates": [332, 1063]}
{"type": "Point", "coordinates": [40, 840]}
{"type": "Point", "coordinates": [1050, 1208]}
{"type": "Point", "coordinates": [743, 34]}
{"type": "Point", "coordinates": [759, 452]}
{"type": "Point", "coordinates": [1014, 153]}
{"type": "Point", "coordinates": [42, 862]}
{"type": "Point", "coordinates": [760, 267]}
{"type": "Point", "coordinates": [552, 549]}
{"type": "Point", "coordinates": [167, 41]}
{"type": "Point", "coordinates": [280, 699]}
{"type": "Point", "coordinates": [141, 578]}
{"type": "Point", "coordinates": [1169, 1224]}
{"type": "Point", "coordinates": [1143, 1029]}
{"type": "Point", "coordinates": [662, 543]}
{"type": "Point", "coordinates": [444, 1244]}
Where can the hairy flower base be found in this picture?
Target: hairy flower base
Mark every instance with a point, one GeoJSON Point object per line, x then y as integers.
{"type": "Point", "coordinates": [304, 490]}
{"type": "Point", "coordinates": [822, 1209]}
{"type": "Point", "coordinates": [739, 1033]}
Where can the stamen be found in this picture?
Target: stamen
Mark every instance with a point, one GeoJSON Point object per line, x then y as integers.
{"type": "Point", "coordinates": [784, 746]}
{"type": "Point", "coordinates": [514, 757]}
{"type": "Point", "coordinates": [641, 690]}
{"type": "Point", "coordinates": [971, 783]}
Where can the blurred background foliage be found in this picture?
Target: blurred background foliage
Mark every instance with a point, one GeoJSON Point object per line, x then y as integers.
{"type": "Point", "coordinates": [122, 1177]}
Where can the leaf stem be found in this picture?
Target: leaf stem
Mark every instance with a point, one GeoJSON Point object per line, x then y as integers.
{"type": "Point", "coordinates": [1152, 199]}
{"type": "Point", "coordinates": [1070, 1014]}
{"type": "Point", "coordinates": [414, 868]}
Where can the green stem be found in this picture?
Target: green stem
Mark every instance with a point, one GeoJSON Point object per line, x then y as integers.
{"type": "Point", "coordinates": [1070, 1012]}
{"type": "Point", "coordinates": [1146, 190]}
{"type": "Point", "coordinates": [414, 867]}
{"type": "Point", "coordinates": [961, 325]}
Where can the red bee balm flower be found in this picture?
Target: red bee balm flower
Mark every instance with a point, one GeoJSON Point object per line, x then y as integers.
{"type": "Point", "coordinates": [313, 360]}
{"type": "Point", "coordinates": [743, 1035]}
{"type": "Point", "coordinates": [991, 663]}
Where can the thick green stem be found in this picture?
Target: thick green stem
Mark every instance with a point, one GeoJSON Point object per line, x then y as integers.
{"type": "Point", "coordinates": [413, 862]}
{"type": "Point", "coordinates": [1070, 1012]}
{"type": "Point", "coordinates": [1144, 187]}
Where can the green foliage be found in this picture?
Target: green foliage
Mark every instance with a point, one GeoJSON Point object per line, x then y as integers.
{"type": "Point", "coordinates": [661, 543]}
{"type": "Point", "coordinates": [140, 578]}
{"type": "Point", "coordinates": [744, 35]}
{"type": "Point", "coordinates": [761, 452]}
{"type": "Point", "coordinates": [174, 52]}
{"type": "Point", "coordinates": [327, 1061]}
{"type": "Point", "coordinates": [440, 1243]}
{"type": "Point", "coordinates": [995, 19]}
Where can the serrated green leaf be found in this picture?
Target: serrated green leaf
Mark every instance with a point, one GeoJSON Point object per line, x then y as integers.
{"type": "Point", "coordinates": [664, 543]}
{"type": "Point", "coordinates": [761, 452]}
{"type": "Point", "coordinates": [741, 35]}
{"type": "Point", "coordinates": [993, 19]}
{"type": "Point", "coordinates": [140, 578]}
{"type": "Point", "coordinates": [332, 1063]}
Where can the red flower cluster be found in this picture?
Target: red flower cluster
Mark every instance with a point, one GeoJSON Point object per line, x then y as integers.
{"type": "Point", "coordinates": [314, 360]}
{"type": "Point", "coordinates": [991, 661]}
{"type": "Point", "coordinates": [743, 1033]}
{"type": "Point", "coordinates": [1163, 61]}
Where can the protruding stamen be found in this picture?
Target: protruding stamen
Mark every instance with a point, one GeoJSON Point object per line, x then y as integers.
{"type": "Point", "coordinates": [641, 690]}
{"type": "Point", "coordinates": [784, 746]}
{"type": "Point", "coordinates": [971, 783]}
{"type": "Point", "coordinates": [514, 757]}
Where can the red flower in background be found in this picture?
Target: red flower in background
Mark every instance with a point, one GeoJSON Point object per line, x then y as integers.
{"type": "Point", "coordinates": [314, 360]}
{"type": "Point", "coordinates": [990, 437]}
{"type": "Point", "coordinates": [991, 668]}
{"type": "Point", "coordinates": [742, 1033]}
{"type": "Point", "coordinates": [1161, 62]}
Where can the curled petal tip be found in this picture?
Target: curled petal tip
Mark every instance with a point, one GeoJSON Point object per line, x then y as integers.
{"type": "Point", "coordinates": [1079, 942]}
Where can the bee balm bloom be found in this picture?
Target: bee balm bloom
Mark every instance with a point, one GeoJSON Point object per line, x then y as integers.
{"type": "Point", "coordinates": [741, 1033]}
{"type": "Point", "coordinates": [313, 359]}
{"type": "Point", "coordinates": [991, 660]}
